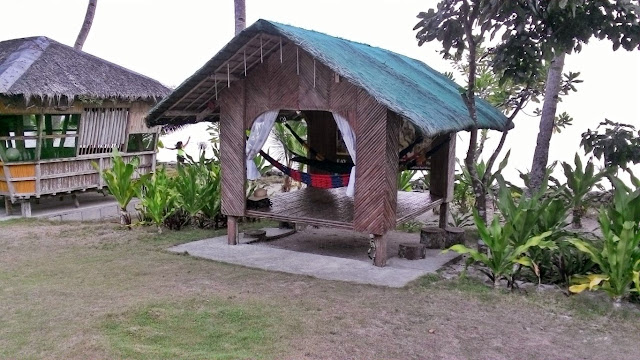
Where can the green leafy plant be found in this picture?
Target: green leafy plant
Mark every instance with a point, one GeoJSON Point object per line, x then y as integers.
{"type": "Point", "coordinates": [503, 258]}
{"type": "Point", "coordinates": [198, 187]}
{"type": "Point", "coordinates": [262, 165]}
{"type": "Point", "coordinates": [157, 198]}
{"type": "Point", "coordinates": [579, 183]}
{"type": "Point", "coordinates": [410, 226]}
{"type": "Point", "coordinates": [121, 182]}
{"type": "Point", "coordinates": [618, 254]}
{"type": "Point", "coordinates": [289, 143]}
{"type": "Point", "coordinates": [541, 212]}
{"type": "Point", "coordinates": [404, 179]}
{"type": "Point", "coordinates": [619, 145]}
{"type": "Point", "coordinates": [459, 219]}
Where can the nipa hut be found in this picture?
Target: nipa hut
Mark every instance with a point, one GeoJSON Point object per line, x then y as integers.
{"type": "Point", "coordinates": [62, 109]}
{"type": "Point", "coordinates": [363, 105]}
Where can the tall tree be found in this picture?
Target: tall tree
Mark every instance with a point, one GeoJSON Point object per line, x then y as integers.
{"type": "Point", "coordinates": [549, 107]}
{"type": "Point", "coordinates": [86, 25]}
{"type": "Point", "coordinates": [532, 32]}
{"type": "Point", "coordinates": [462, 26]}
{"type": "Point", "coordinates": [240, 15]}
{"type": "Point", "coordinates": [543, 29]}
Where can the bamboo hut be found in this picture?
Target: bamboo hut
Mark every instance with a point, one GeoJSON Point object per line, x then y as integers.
{"type": "Point", "coordinates": [367, 97]}
{"type": "Point", "coordinates": [62, 109]}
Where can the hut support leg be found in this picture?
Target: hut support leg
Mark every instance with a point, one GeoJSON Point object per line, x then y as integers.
{"type": "Point", "coordinates": [25, 208]}
{"type": "Point", "coordinates": [444, 215]}
{"type": "Point", "coordinates": [380, 258]}
{"type": "Point", "coordinates": [76, 203]}
{"type": "Point", "coordinates": [8, 206]}
{"type": "Point", "coordinates": [232, 230]}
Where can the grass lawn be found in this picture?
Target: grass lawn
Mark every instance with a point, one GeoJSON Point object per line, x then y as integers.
{"type": "Point", "coordinates": [81, 290]}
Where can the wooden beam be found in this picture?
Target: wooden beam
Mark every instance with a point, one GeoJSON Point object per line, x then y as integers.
{"type": "Point", "coordinates": [25, 208]}
{"type": "Point", "coordinates": [232, 230]}
{"type": "Point", "coordinates": [185, 113]}
{"type": "Point", "coordinates": [8, 206]}
{"type": "Point", "coordinates": [380, 258]}
{"type": "Point", "coordinates": [443, 168]}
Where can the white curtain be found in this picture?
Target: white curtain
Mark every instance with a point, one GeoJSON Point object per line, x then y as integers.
{"type": "Point", "coordinates": [257, 138]}
{"type": "Point", "coordinates": [349, 138]}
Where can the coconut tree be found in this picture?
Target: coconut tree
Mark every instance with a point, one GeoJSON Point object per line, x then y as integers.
{"type": "Point", "coordinates": [240, 15]}
{"type": "Point", "coordinates": [86, 25]}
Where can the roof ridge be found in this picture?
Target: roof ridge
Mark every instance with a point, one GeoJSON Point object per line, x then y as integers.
{"type": "Point", "coordinates": [21, 60]}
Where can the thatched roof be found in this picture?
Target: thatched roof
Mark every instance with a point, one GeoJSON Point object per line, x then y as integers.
{"type": "Point", "coordinates": [406, 86]}
{"type": "Point", "coordinates": [38, 67]}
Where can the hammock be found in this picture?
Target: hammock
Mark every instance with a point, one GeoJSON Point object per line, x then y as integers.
{"type": "Point", "coordinates": [320, 181]}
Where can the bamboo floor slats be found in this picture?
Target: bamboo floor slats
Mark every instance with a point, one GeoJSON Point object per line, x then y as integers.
{"type": "Point", "coordinates": [333, 208]}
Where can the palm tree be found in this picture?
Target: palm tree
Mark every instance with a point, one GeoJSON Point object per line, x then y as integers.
{"type": "Point", "coordinates": [86, 25]}
{"type": "Point", "coordinates": [240, 15]}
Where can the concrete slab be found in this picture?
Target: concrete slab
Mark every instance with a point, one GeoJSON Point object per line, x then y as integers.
{"type": "Point", "coordinates": [93, 206]}
{"type": "Point", "coordinates": [397, 273]}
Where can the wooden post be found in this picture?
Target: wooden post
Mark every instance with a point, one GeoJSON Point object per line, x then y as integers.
{"type": "Point", "coordinates": [444, 215]}
{"type": "Point", "coordinates": [8, 206]}
{"type": "Point", "coordinates": [380, 258]}
{"type": "Point", "coordinates": [25, 208]}
{"type": "Point", "coordinates": [232, 230]}
{"type": "Point", "coordinates": [443, 173]}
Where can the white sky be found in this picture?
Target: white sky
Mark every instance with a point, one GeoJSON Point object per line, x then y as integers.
{"type": "Point", "coordinates": [169, 40]}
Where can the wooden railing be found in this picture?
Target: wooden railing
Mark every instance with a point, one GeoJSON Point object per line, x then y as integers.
{"type": "Point", "coordinates": [26, 179]}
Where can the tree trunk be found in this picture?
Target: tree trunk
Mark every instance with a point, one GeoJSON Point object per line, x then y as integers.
{"type": "Point", "coordinates": [86, 25]}
{"type": "Point", "coordinates": [125, 219]}
{"type": "Point", "coordinates": [551, 95]}
{"type": "Point", "coordinates": [477, 186]}
{"type": "Point", "coordinates": [576, 219]}
{"type": "Point", "coordinates": [241, 17]}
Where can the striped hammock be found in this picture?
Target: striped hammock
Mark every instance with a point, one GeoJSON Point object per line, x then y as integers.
{"type": "Point", "coordinates": [320, 181]}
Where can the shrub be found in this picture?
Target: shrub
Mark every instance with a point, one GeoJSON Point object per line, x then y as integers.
{"type": "Point", "coordinates": [121, 183]}
{"type": "Point", "coordinates": [157, 198]}
{"type": "Point", "coordinates": [618, 253]}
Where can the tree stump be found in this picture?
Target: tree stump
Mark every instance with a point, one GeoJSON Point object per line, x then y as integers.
{"type": "Point", "coordinates": [255, 235]}
{"type": "Point", "coordinates": [433, 237]}
{"type": "Point", "coordinates": [455, 235]}
{"type": "Point", "coordinates": [412, 251]}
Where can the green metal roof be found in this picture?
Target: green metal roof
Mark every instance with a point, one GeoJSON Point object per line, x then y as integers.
{"type": "Point", "coordinates": [406, 86]}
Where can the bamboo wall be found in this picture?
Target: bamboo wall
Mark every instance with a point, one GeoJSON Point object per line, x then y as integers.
{"type": "Point", "coordinates": [294, 80]}
{"type": "Point", "coordinates": [62, 175]}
